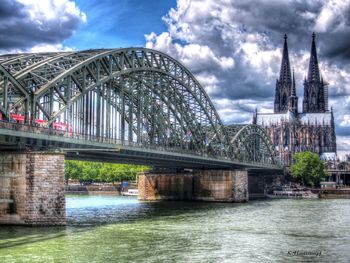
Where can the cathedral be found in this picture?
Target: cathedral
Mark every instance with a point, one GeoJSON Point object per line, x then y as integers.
{"type": "Point", "coordinates": [292, 131]}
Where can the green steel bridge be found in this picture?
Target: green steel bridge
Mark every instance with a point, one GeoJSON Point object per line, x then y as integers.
{"type": "Point", "coordinates": [131, 105]}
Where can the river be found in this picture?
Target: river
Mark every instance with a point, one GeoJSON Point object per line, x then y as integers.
{"type": "Point", "coordinates": [120, 229]}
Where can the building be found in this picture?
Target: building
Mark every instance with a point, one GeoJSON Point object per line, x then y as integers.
{"type": "Point", "coordinates": [292, 131]}
{"type": "Point", "coordinates": [339, 172]}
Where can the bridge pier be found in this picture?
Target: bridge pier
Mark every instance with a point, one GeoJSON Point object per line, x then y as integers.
{"type": "Point", "coordinates": [221, 186]}
{"type": "Point", "coordinates": [165, 186]}
{"type": "Point", "coordinates": [201, 185]}
{"type": "Point", "coordinates": [32, 189]}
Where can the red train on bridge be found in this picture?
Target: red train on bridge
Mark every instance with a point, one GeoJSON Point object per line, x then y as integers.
{"type": "Point", "coordinates": [60, 126]}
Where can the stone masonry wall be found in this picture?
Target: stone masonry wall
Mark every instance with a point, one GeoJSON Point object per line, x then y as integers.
{"type": "Point", "coordinates": [12, 188]}
{"type": "Point", "coordinates": [205, 185]}
{"type": "Point", "coordinates": [213, 185]}
{"type": "Point", "coordinates": [221, 186]}
{"type": "Point", "coordinates": [45, 189]}
{"type": "Point", "coordinates": [153, 187]}
{"type": "Point", "coordinates": [240, 186]}
{"type": "Point", "coordinates": [32, 189]}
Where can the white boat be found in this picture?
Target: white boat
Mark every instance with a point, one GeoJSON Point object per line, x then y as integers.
{"type": "Point", "coordinates": [131, 192]}
{"type": "Point", "coordinates": [293, 193]}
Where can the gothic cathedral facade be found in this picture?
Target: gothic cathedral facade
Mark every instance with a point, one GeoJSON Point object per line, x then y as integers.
{"type": "Point", "coordinates": [292, 131]}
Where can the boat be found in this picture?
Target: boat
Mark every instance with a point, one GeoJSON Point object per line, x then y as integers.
{"type": "Point", "coordinates": [130, 192]}
{"type": "Point", "coordinates": [292, 193]}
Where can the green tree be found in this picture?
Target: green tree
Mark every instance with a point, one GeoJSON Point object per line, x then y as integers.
{"type": "Point", "coordinates": [102, 172]}
{"type": "Point", "coordinates": [73, 170]}
{"type": "Point", "coordinates": [308, 169]}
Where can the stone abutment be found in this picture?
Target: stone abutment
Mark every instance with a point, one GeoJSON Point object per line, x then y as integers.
{"type": "Point", "coordinates": [202, 185]}
{"type": "Point", "coordinates": [32, 189]}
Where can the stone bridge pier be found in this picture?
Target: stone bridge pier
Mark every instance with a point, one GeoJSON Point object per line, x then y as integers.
{"type": "Point", "coordinates": [201, 185]}
{"type": "Point", "coordinates": [32, 188]}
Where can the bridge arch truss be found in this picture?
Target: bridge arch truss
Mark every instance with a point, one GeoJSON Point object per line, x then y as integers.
{"type": "Point", "coordinates": [251, 143]}
{"type": "Point", "coordinates": [133, 95]}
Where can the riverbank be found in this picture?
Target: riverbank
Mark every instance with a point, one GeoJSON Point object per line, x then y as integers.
{"type": "Point", "coordinates": [343, 193]}
{"type": "Point", "coordinates": [76, 188]}
{"type": "Point", "coordinates": [92, 189]}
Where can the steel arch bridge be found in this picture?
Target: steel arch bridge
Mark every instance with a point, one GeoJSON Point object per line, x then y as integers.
{"type": "Point", "coordinates": [135, 97]}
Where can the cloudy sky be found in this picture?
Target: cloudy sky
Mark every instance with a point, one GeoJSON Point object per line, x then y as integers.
{"type": "Point", "coordinates": [232, 46]}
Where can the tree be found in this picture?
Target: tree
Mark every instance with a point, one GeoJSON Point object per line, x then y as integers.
{"type": "Point", "coordinates": [73, 170]}
{"type": "Point", "coordinates": [308, 169]}
{"type": "Point", "coordinates": [101, 172]}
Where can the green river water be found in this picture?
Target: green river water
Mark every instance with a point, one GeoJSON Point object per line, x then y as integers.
{"type": "Point", "coordinates": [120, 229]}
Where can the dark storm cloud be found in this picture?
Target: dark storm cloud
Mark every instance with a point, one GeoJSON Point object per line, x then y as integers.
{"type": "Point", "coordinates": [251, 90]}
{"type": "Point", "coordinates": [276, 18]}
{"type": "Point", "coordinates": [298, 20]}
{"type": "Point", "coordinates": [22, 27]}
{"type": "Point", "coordinates": [236, 119]}
{"type": "Point", "coordinates": [337, 46]}
{"type": "Point", "coordinates": [226, 26]}
{"type": "Point", "coordinates": [11, 9]}
{"type": "Point", "coordinates": [242, 107]}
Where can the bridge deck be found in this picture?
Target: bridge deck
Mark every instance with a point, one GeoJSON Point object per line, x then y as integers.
{"type": "Point", "coordinates": [13, 137]}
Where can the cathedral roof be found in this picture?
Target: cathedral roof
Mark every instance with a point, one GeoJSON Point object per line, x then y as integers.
{"type": "Point", "coordinates": [328, 156]}
{"type": "Point", "coordinates": [324, 118]}
{"type": "Point", "coordinates": [270, 119]}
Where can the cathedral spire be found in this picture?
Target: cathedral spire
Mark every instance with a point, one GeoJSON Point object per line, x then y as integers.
{"type": "Point", "coordinates": [293, 92]}
{"type": "Point", "coordinates": [315, 93]}
{"type": "Point", "coordinates": [283, 84]}
{"type": "Point", "coordinates": [314, 72]}
{"type": "Point", "coordinates": [285, 75]}
{"type": "Point", "coordinates": [293, 99]}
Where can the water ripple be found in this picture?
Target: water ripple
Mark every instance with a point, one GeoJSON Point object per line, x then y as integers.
{"type": "Point", "coordinates": [120, 229]}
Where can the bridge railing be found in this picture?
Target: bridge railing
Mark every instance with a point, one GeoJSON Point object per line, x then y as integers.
{"type": "Point", "coordinates": [101, 139]}
{"type": "Point", "coordinates": [94, 138]}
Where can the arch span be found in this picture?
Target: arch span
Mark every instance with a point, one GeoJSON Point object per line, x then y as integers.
{"type": "Point", "coordinates": [135, 95]}
{"type": "Point", "coordinates": [252, 144]}
{"type": "Point", "coordinates": [123, 96]}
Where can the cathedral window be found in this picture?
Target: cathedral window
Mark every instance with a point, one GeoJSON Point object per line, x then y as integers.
{"type": "Point", "coordinates": [286, 137]}
{"type": "Point", "coordinates": [325, 139]}
{"type": "Point", "coordinates": [313, 98]}
{"type": "Point", "coordinates": [284, 100]}
{"type": "Point", "coordinates": [276, 138]}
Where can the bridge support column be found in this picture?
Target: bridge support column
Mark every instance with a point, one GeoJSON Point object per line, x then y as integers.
{"type": "Point", "coordinates": [165, 186]}
{"type": "Point", "coordinates": [32, 189]}
{"type": "Point", "coordinates": [221, 186]}
{"type": "Point", "coordinates": [204, 185]}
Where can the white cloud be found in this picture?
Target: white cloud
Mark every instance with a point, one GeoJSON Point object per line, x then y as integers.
{"type": "Point", "coordinates": [343, 145]}
{"type": "Point", "coordinates": [41, 11]}
{"type": "Point", "coordinates": [345, 121]}
{"type": "Point", "coordinates": [39, 48]}
{"type": "Point", "coordinates": [234, 49]}
{"type": "Point", "coordinates": [48, 48]}
{"type": "Point", "coordinates": [30, 23]}
{"type": "Point", "coordinates": [331, 16]}
{"type": "Point", "coordinates": [195, 56]}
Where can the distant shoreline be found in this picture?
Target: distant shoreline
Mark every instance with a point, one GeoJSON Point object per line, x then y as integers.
{"type": "Point", "coordinates": [100, 188]}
